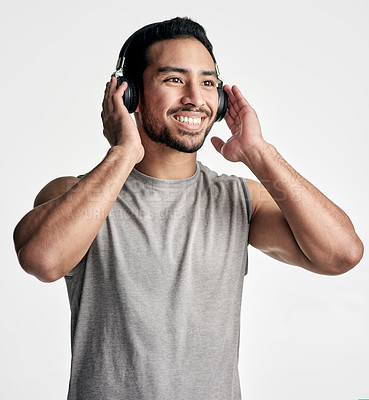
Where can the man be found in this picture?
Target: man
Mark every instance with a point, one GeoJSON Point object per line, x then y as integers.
{"type": "Point", "coordinates": [153, 245]}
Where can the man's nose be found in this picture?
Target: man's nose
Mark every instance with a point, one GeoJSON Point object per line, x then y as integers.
{"type": "Point", "coordinates": [192, 95]}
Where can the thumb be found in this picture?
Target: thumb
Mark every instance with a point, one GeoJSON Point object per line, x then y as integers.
{"type": "Point", "coordinates": [217, 143]}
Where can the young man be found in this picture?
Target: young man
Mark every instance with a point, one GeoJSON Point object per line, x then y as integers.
{"type": "Point", "coordinates": [153, 245]}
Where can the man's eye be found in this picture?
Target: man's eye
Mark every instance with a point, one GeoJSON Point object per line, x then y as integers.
{"type": "Point", "coordinates": [174, 80]}
{"type": "Point", "coordinates": [209, 83]}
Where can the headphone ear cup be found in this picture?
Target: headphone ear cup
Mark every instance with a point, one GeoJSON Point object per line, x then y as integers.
{"type": "Point", "coordinates": [222, 104]}
{"type": "Point", "coordinates": [130, 96]}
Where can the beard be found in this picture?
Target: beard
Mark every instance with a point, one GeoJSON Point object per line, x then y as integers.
{"type": "Point", "coordinates": [187, 142]}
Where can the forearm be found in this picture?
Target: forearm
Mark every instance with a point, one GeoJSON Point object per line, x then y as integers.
{"type": "Point", "coordinates": [322, 230]}
{"type": "Point", "coordinates": [52, 238]}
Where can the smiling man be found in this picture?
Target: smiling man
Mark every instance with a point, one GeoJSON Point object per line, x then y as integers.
{"type": "Point", "coordinates": [164, 80]}
{"type": "Point", "coordinates": [153, 245]}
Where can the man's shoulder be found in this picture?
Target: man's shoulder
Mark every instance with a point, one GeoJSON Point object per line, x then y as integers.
{"type": "Point", "coordinates": [220, 176]}
{"type": "Point", "coordinates": [55, 188]}
{"type": "Point", "coordinates": [213, 175]}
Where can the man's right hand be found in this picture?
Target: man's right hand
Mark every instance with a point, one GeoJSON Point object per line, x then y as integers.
{"type": "Point", "coordinates": [119, 127]}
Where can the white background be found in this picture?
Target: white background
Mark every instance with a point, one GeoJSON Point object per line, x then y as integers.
{"type": "Point", "coordinates": [303, 65]}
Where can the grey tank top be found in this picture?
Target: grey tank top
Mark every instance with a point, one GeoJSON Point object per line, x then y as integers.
{"type": "Point", "coordinates": [156, 301]}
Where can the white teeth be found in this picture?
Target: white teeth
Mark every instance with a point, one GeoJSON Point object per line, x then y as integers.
{"type": "Point", "coordinates": [188, 120]}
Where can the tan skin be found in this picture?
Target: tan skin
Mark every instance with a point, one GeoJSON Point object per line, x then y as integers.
{"type": "Point", "coordinates": [291, 220]}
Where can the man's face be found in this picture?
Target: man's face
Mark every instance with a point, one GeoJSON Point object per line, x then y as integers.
{"type": "Point", "coordinates": [179, 101]}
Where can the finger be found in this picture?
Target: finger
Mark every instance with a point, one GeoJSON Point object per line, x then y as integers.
{"type": "Point", "coordinates": [228, 116]}
{"type": "Point", "coordinates": [117, 97]}
{"type": "Point", "coordinates": [232, 101]}
{"type": "Point", "coordinates": [229, 120]}
{"type": "Point", "coordinates": [114, 91]}
{"type": "Point", "coordinates": [122, 87]}
{"type": "Point", "coordinates": [106, 92]}
{"type": "Point", "coordinates": [232, 111]}
{"type": "Point", "coordinates": [112, 85]}
{"type": "Point", "coordinates": [217, 143]}
{"type": "Point", "coordinates": [239, 97]}
{"type": "Point", "coordinates": [107, 104]}
{"type": "Point", "coordinates": [238, 101]}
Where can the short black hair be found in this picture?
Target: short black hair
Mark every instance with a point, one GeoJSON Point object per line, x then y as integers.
{"type": "Point", "coordinates": [176, 28]}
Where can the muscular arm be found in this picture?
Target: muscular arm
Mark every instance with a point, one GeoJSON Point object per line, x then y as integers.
{"type": "Point", "coordinates": [295, 223]}
{"type": "Point", "coordinates": [52, 238]}
{"type": "Point", "coordinates": [292, 220]}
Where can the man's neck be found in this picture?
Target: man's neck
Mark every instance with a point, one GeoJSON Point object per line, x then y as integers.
{"type": "Point", "coordinates": [163, 162]}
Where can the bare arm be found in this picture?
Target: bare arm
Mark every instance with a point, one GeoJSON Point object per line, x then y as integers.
{"type": "Point", "coordinates": [292, 220]}
{"type": "Point", "coordinates": [52, 238]}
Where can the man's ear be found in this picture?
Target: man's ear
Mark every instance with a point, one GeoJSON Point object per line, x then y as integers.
{"type": "Point", "coordinates": [139, 105]}
{"type": "Point", "coordinates": [137, 116]}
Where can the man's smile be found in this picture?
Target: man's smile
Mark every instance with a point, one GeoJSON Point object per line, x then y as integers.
{"type": "Point", "coordinates": [188, 120]}
{"type": "Point", "coordinates": [189, 123]}
{"type": "Point", "coordinates": [191, 120]}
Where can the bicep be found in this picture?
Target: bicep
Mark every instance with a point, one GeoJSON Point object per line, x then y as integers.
{"type": "Point", "coordinates": [29, 224]}
{"type": "Point", "coordinates": [269, 230]}
{"type": "Point", "coordinates": [54, 189]}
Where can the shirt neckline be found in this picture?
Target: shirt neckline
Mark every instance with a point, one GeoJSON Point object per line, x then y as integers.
{"type": "Point", "coordinates": [167, 182]}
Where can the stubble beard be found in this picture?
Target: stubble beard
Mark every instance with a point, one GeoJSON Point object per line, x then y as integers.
{"type": "Point", "coordinates": [161, 133]}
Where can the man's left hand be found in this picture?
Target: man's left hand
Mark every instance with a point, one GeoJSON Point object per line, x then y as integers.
{"type": "Point", "coordinates": [243, 122]}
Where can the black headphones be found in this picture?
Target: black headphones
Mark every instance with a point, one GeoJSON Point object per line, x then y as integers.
{"type": "Point", "coordinates": [130, 97]}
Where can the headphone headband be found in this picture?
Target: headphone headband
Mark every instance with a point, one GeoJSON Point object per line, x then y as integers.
{"type": "Point", "coordinates": [123, 51]}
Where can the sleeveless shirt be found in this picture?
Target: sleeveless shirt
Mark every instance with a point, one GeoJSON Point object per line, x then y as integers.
{"type": "Point", "coordinates": [155, 302]}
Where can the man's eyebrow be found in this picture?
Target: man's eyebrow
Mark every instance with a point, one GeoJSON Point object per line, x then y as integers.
{"type": "Point", "coordinates": [172, 69]}
{"type": "Point", "coordinates": [209, 73]}
{"type": "Point", "coordinates": [184, 71]}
